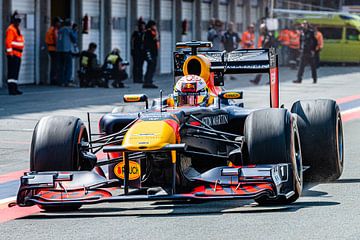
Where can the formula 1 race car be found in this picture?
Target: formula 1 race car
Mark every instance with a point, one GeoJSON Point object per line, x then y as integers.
{"type": "Point", "coordinates": [198, 143]}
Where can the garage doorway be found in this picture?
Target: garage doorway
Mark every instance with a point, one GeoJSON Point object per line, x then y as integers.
{"type": "Point", "coordinates": [60, 8]}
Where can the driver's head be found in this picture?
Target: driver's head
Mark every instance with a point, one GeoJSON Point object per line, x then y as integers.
{"type": "Point", "coordinates": [190, 90]}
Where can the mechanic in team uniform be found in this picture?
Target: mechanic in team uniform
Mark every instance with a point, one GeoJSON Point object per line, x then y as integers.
{"type": "Point", "coordinates": [90, 72]}
{"type": "Point", "coordinates": [151, 48]}
{"type": "Point", "coordinates": [248, 38]}
{"type": "Point", "coordinates": [50, 40]}
{"type": "Point", "coordinates": [137, 51]}
{"type": "Point", "coordinates": [266, 40]}
{"type": "Point", "coordinates": [308, 44]}
{"type": "Point", "coordinates": [294, 46]}
{"type": "Point", "coordinates": [14, 45]}
{"type": "Point", "coordinates": [284, 39]}
{"type": "Point", "coordinates": [319, 47]}
{"type": "Point", "coordinates": [114, 65]}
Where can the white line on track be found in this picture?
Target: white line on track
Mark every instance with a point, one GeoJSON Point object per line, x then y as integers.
{"type": "Point", "coordinates": [352, 110]}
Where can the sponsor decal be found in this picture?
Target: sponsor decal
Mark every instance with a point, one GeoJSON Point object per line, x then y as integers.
{"type": "Point", "coordinates": [189, 87]}
{"type": "Point", "coordinates": [134, 170]}
{"type": "Point", "coordinates": [232, 95]}
{"type": "Point", "coordinates": [132, 98]}
{"type": "Point", "coordinates": [272, 75]}
{"type": "Point", "coordinates": [215, 120]}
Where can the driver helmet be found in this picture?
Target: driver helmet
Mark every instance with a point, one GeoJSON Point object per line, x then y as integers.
{"type": "Point", "coordinates": [191, 90]}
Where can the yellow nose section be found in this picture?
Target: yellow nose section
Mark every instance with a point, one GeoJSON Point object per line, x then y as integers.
{"type": "Point", "coordinates": [149, 136]}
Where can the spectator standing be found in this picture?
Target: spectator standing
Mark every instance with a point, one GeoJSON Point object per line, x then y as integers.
{"type": "Point", "coordinates": [230, 39]}
{"type": "Point", "coordinates": [308, 44]}
{"type": "Point", "coordinates": [294, 46]}
{"type": "Point", "coordinates": [151, 48]}
{"type": "Point", "coordinates": [67, 37]}
{"type": "Point", "coordinates": [215, 34]}
{"type": "Point", "coordinates": [114, 63]}
{"type": "Point", "coordinates": [284, 39]}
{"type": "Point", "coordinates": [266, 40]}
{"type": "Point", "coordinates": [137, 51]}
{"type": "Point", "coordinates": [50, 40]}
{"type": "Point", "coordinates": [14, 45]}
{"type": "Point", "coordinates": [248, 38]}
{"type": "Point", "coordinates": [319, 47]}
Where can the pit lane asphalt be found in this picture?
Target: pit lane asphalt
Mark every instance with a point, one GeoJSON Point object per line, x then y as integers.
{"type": "Point", "coordinates": [324, 211]}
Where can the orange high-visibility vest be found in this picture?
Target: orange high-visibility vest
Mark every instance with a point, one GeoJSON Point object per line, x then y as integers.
{"type": "Point", "coordinates": [320, 40]}
{"type": "Point", "coordinates": [294, 39]}
{"type": "Point", "coordinates": [50, 38]}
{"type": "Point", "coordinates": [284, 37]}
{"type": "Point", "coordinates": [260, 41]}
{"type": "Point", "coordinates": [248, 40]}
{"type": "Point", "coordinates": [14, 41]}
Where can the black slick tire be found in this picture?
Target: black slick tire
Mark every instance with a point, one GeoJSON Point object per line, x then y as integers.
{"type": "Point", "coordinates": [321, 135]}
{"type": "Point", "coordinates": [55, 147]}
{"type": "Point", "coordinates": [55, 144]}
{"type": "Point", "coordinates": [271, 138]}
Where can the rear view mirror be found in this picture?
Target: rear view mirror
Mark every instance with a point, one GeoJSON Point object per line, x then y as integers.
{"type": "Point", "coordinates": [128, 98]}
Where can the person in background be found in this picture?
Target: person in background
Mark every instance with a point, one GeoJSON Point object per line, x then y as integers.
{"type": "Point", "coordinates": [137, 51]}
{"type": "Point", "coordinates": [151, 48]}
{"type": "Point", "coordinates": [248, 38]}
{"type": "Point", "coordinates": [215, 34]}
{"type": "Point", "coordinates": [114, 64]}
{"type": "Point", "coordinates": [284, 39]}
{"type": "Point", "coordinates": [319, 47]}
{"type": "Point", "coordinates": [294, 46]}
{"type": "Point", "coordinates": [91, 71]}
{"type": "Point", "coordinates": [50, 40]}
{"type": "Point", "coordinates": [308, 44]}
{"type": "Point", "coordinates": [67, 37]}
{"type": "Point", "coordinates": [75, 52]}
{"type": "Point", "coordinates": [211, 30]}
{"type": "Point", "coordinates": [230, 39]}
{"type": "Point", "coordinates": [266, 40]}
{"type": "Point", "coordinates": [14, 45]}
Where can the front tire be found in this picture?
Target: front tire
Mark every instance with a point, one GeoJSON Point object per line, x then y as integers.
{"type": "Point", "coordinates": [271, 137]}
{"type": "Point", "coordinates": [55, 144]}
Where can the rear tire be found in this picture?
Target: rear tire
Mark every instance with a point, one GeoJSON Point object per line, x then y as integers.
{"type": "Point", "coordinates": [271, 137]}
{"type": "Point", "coordinates": [321, 134]}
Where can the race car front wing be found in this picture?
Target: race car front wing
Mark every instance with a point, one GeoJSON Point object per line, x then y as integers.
{"type": "Point", "coordinates": [89, 187]}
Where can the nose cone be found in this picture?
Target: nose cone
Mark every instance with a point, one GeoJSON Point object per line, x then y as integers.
{"type": "Point", "coordinates": [149, 135]}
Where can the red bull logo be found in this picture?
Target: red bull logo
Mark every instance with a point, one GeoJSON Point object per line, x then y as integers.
{"type": "Point", "coordinates": [189, 87]}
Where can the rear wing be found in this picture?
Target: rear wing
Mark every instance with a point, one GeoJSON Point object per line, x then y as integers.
{"type": "Point", "coordinates": [242, 61]}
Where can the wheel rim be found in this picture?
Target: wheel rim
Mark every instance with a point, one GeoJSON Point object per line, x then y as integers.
{"type": "Point", "coordinates": [298, 157]}
{"type": "Point", "coordinates": [83, 138]}
{"type": "Point", "coordinates": [340, 141]}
